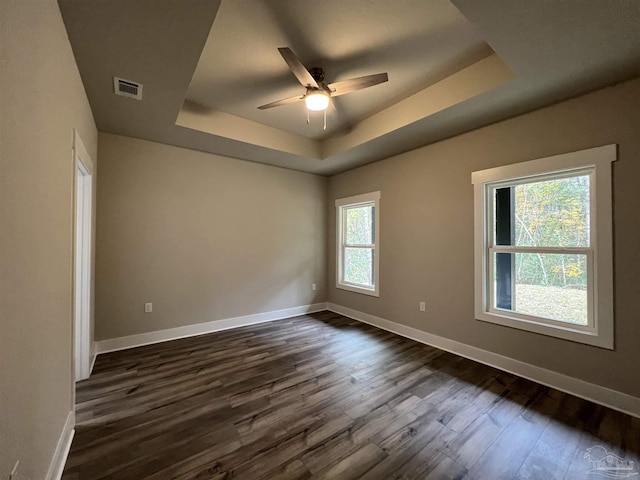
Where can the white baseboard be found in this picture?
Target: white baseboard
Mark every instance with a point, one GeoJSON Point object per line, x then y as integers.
{"type": "Point", "coordinates": [604, 396]}
{"type": "Point", "coordinates": [56, 467]}
{"type": "Point", "coordinates": [121, 343]}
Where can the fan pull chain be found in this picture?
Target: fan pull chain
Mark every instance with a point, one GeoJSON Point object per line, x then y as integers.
{"type": "Point", "coordinates": [325, 118]}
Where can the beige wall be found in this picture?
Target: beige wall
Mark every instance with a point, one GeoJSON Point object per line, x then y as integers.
{"type": "Point", "coordinates": [426, 232]}
{"type": "Point", "coordinates": [42, 100]}
{"type": "Point", "coordinates": [202, 237]}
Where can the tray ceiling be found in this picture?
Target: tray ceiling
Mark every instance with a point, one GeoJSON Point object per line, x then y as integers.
{"type": "Point", "coordinates": [453, 66]}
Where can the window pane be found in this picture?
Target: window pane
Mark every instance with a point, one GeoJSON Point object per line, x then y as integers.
{"type": "Point", "coordinates": [360, 225]}
{"type": "Point", "coordinates": [358, 266]}
{"type": "Point", "coordinates": [550, 286]}
{"type": "Point", "coordinates": [551, 213]}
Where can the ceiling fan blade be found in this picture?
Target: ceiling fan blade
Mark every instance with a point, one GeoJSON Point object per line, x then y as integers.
{"type": "Point", "coordinates": [347, 86]}
{"type": "Point", "coordinates": [284, 101]}
{"type": "Point", "coordinates": [298, 69]}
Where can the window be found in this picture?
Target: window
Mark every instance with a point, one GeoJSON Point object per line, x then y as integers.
{"type": "Point", "coordinates": [543, 259]}
{"type": "Point", "coordinates": [358, 245]}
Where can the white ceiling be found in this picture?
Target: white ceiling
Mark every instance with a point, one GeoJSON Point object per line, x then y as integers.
{"type": "Point", "coordinates": [206, 65]}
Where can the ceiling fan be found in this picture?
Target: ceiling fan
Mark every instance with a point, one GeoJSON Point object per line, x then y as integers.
{"type": "Point", "coordinates": [318, 93]}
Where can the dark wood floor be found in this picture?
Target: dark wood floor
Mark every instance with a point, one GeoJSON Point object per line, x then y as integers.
{"type": "Point", "coordinates": [323, 396]}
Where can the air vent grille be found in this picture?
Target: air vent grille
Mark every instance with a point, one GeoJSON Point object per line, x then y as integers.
{"type": "Point", "coordinates": [127, 88]}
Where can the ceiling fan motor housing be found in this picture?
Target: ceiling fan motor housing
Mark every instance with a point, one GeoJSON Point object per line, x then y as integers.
{"type": "Point", "coordinates": [317, 74]}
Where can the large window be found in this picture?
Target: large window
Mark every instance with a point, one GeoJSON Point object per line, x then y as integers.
{"type": "Point", "coordinates": [358, 245]}
{"type": "Point", "coordinates": [543, 256]}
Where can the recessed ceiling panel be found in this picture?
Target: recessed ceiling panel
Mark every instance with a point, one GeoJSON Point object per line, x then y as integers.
{"type": "Point", "coordinates": [416, 42]}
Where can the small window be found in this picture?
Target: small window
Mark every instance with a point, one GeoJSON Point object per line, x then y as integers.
{"type": "Point", "coordinates": [358, 246]}
{"type": "Point", "coordinates": [543, 258]}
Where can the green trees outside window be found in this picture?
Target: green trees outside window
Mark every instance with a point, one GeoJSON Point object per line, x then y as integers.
{"type": "Point", "coordinates": [547, 214]}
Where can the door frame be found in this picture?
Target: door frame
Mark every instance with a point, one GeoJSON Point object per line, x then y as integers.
{"type": "Point", "coordinates": [82, 259]}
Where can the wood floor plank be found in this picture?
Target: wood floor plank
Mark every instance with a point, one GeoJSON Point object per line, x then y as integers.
{"type": "Point", "coordinates": [324, 454]}
{"type": "Point", "coordinates": [412, 453]}
{"type": "Point", "coordinates": [506, 455]}
{"type": "Point", "coordinates": [554, 451]}
{"type": "Point", "coordinates": [324, 396]}
{"type": "Point", "coordinates": [468, 446]}
{"type": "Point", "coordinates": [355, 465]}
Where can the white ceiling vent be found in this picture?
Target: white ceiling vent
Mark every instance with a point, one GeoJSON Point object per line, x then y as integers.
{"type": "Point", "coordinates": [127, 88]}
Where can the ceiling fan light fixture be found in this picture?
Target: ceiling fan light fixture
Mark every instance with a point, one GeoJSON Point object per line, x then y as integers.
{"type": "Point", "coordinates": [317, 100]}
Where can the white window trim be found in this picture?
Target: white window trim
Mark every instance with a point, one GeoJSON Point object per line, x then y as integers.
{"type": "Point", "coordinates": [599, 331]}
{"type": "Point", "coordinates": [365, 198]}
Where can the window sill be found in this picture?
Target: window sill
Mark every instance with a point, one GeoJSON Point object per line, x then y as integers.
{"type": "Point", "coordinates": [587, 337]}
{"type": "Point", "coordinates": [373, 292]}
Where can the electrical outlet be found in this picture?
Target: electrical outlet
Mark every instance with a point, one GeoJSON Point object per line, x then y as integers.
{"type": "Point", "coordinates": [148, 307]}
{"type": "Point", "coordinates": [423, 306]}
{"type": "Point", "coordinates": [314, 287]}
{"type": "Point", "coordinates": [14, 473]}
